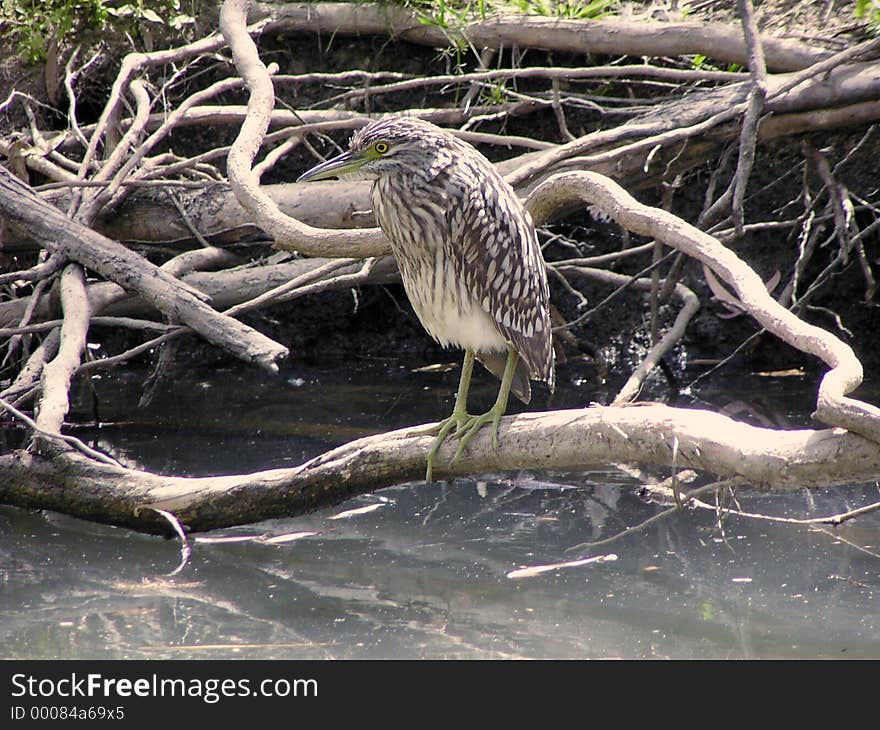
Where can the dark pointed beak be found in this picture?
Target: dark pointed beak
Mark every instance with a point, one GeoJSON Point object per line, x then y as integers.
{"type": "Point", "coordinates": [340, 165]}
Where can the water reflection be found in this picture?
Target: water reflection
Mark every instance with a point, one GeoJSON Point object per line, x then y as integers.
{"type": "Point", "coordinates": [423, 575]}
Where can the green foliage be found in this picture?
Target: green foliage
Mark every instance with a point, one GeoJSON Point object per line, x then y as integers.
{"type": "Point", "coordinates": [574, 9]}
{"type": "Point", "coordinates": [443, 14]}
{"type": "Point", "coordinates": [870, 11]}
{"type": "Point", "coordinates": [31, 25]}
{"type": "Point", "coordinates": [701, 63]}
{"type": "Point", "coordinates": [450, 13]}
{"type": "Point", "coordinates": [494, 94]}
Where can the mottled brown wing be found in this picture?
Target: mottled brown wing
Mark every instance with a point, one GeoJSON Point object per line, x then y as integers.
{"type": "Point", "coordinates": [497, 251]}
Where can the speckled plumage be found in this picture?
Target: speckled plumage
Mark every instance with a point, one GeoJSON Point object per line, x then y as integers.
{"type": "Point", "coordinates": [466, 248]}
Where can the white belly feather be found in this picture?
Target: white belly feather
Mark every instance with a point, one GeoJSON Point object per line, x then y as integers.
{"type": "Point", "coordinates": [450, 319]}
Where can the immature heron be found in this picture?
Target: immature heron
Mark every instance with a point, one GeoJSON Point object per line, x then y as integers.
{"type": "Point", "coordinates": [467, 253]}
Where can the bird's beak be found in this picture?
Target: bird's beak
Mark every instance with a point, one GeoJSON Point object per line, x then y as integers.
{"type": "Point", "coordinates": [342, 164]}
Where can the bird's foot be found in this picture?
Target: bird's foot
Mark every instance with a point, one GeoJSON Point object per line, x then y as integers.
{"type": "Point", "coordinates": [466, 427]}
{"type": "Point", "coordinates": [459, 420]}
{"type": "Point", "coordinates": [473, 425]}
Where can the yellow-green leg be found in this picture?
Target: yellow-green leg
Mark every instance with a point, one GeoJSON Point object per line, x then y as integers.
{"type": "Point", "coordinates": [494, 414]}
{"type": "Point", "coordinates": [459, 417]}
{"type": "Point", "coordinates": [465, 425]}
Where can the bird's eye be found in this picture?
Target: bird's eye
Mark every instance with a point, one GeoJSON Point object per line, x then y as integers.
{"type": "Point", "coordinates": [381, 147]}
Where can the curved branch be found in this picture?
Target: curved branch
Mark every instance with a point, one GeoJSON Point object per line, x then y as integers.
{"type": "Point", "coordinates": [845, 374]}
{"type": "Point", "coordinates": [574, 439]}
{"type": "Point", "coordinates": [288, 232]}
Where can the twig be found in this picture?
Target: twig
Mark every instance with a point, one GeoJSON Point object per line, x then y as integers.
{"type": "Point", "coordinates": [559, 113]}
{"type": "Point", "coordinates": [98, 321]}
{"type": "Point", "coordinates": [607, 257]}
{"type": "Point", "coordinates": [70, 77]}
{"type": "Point", "coordinates": [64, 438]}
{"type": "Point", "coordinates": [187, 221]}
{"type": "Point", "coordinates": [42, 270]}
{"type": "Point", "coordinates": [29, 375]}
{"type": "Point", "coordinates": [836, 519]}
{"type": "Point", "coordinates": [847, 55]}
{"type": "Point", "coordinates": [33, 300]}
{"type": "Point", "coordinates": [277, 294]}
{"type": "Point", "coordinates": [845, 227]}
{"type": "Point", "coordinates": [691, 304]}
{"type": "Point", "coordinates": [116, 162]}
{"type": "Point", "coordinates": [551, 73]}
{"type": "Point", "coordinates": [623, 282]}
{"type": "Point", "coordinates": [749, 133]}
{"type": "Point", "coordinates": [720, 364]}
{"type": "Point", "coordinates": [109, 362]}
{"type": "Point", "coordinates": [582, 301]}
{"type": "Point", "coordinates": [533, 570]}
{"type": "Point", "coordinates": [277, 153]}
{"type": "Point", "coordinates": [685, 501]}
{"type": "Point", "coordinates": [72, 184]}
{"type": "Point", "coordinates": [185, 549]}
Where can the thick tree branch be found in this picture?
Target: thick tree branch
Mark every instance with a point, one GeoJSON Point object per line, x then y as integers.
{"type": "Point", "coordinates": [575, 439]}
{"type": "Point", "coordinates": [289, 233]}
{"type": "Point", "coordinates": [845, 375]}
{"type": "Point", "coordinates": [59, 234]}
{"type": "Point", "coordinates": [607, 36]}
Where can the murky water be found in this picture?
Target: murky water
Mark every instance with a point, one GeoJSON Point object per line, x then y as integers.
{"type": "Point", "coordinates": [424, 574]}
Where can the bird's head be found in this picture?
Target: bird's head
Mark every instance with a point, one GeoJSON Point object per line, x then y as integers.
{"type": "Point", "coordinates": [388, 146]}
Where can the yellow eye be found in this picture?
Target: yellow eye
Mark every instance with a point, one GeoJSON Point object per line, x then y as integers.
{"type": "Point", "coordinates": [381, 147]}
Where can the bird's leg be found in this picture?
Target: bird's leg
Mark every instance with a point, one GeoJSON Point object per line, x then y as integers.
{"type": "Point", "coordinates": [459, 418]}
{"type": "Point", "coordinates": [494, 414]}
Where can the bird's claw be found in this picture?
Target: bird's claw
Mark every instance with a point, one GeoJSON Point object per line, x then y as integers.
{"type": "Point", "coordinates": [466, 427]}
{"type": "Point", "coordinates": [457, 420]}
{"type": "Point", "coordinates": [472, 427]}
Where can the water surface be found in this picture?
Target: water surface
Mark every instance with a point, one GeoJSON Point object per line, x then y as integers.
{"type": "Point", "coordinates": [423, 575]}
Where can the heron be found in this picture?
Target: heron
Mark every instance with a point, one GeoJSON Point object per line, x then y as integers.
{"type": "Point", "coordinates": [468, 256]}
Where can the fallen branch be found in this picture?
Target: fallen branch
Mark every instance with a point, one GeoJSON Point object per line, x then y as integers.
{"type": "Point", "coordinates": [575, 439]}
{"type": "Point", "coordinates": [845, 374]}
{"type": "Point", "coordinates": [226, 288]}
{"type": "Point", "coordinates": [63, 236]}
{"type": "Point", "coordinates": [607, 36]}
